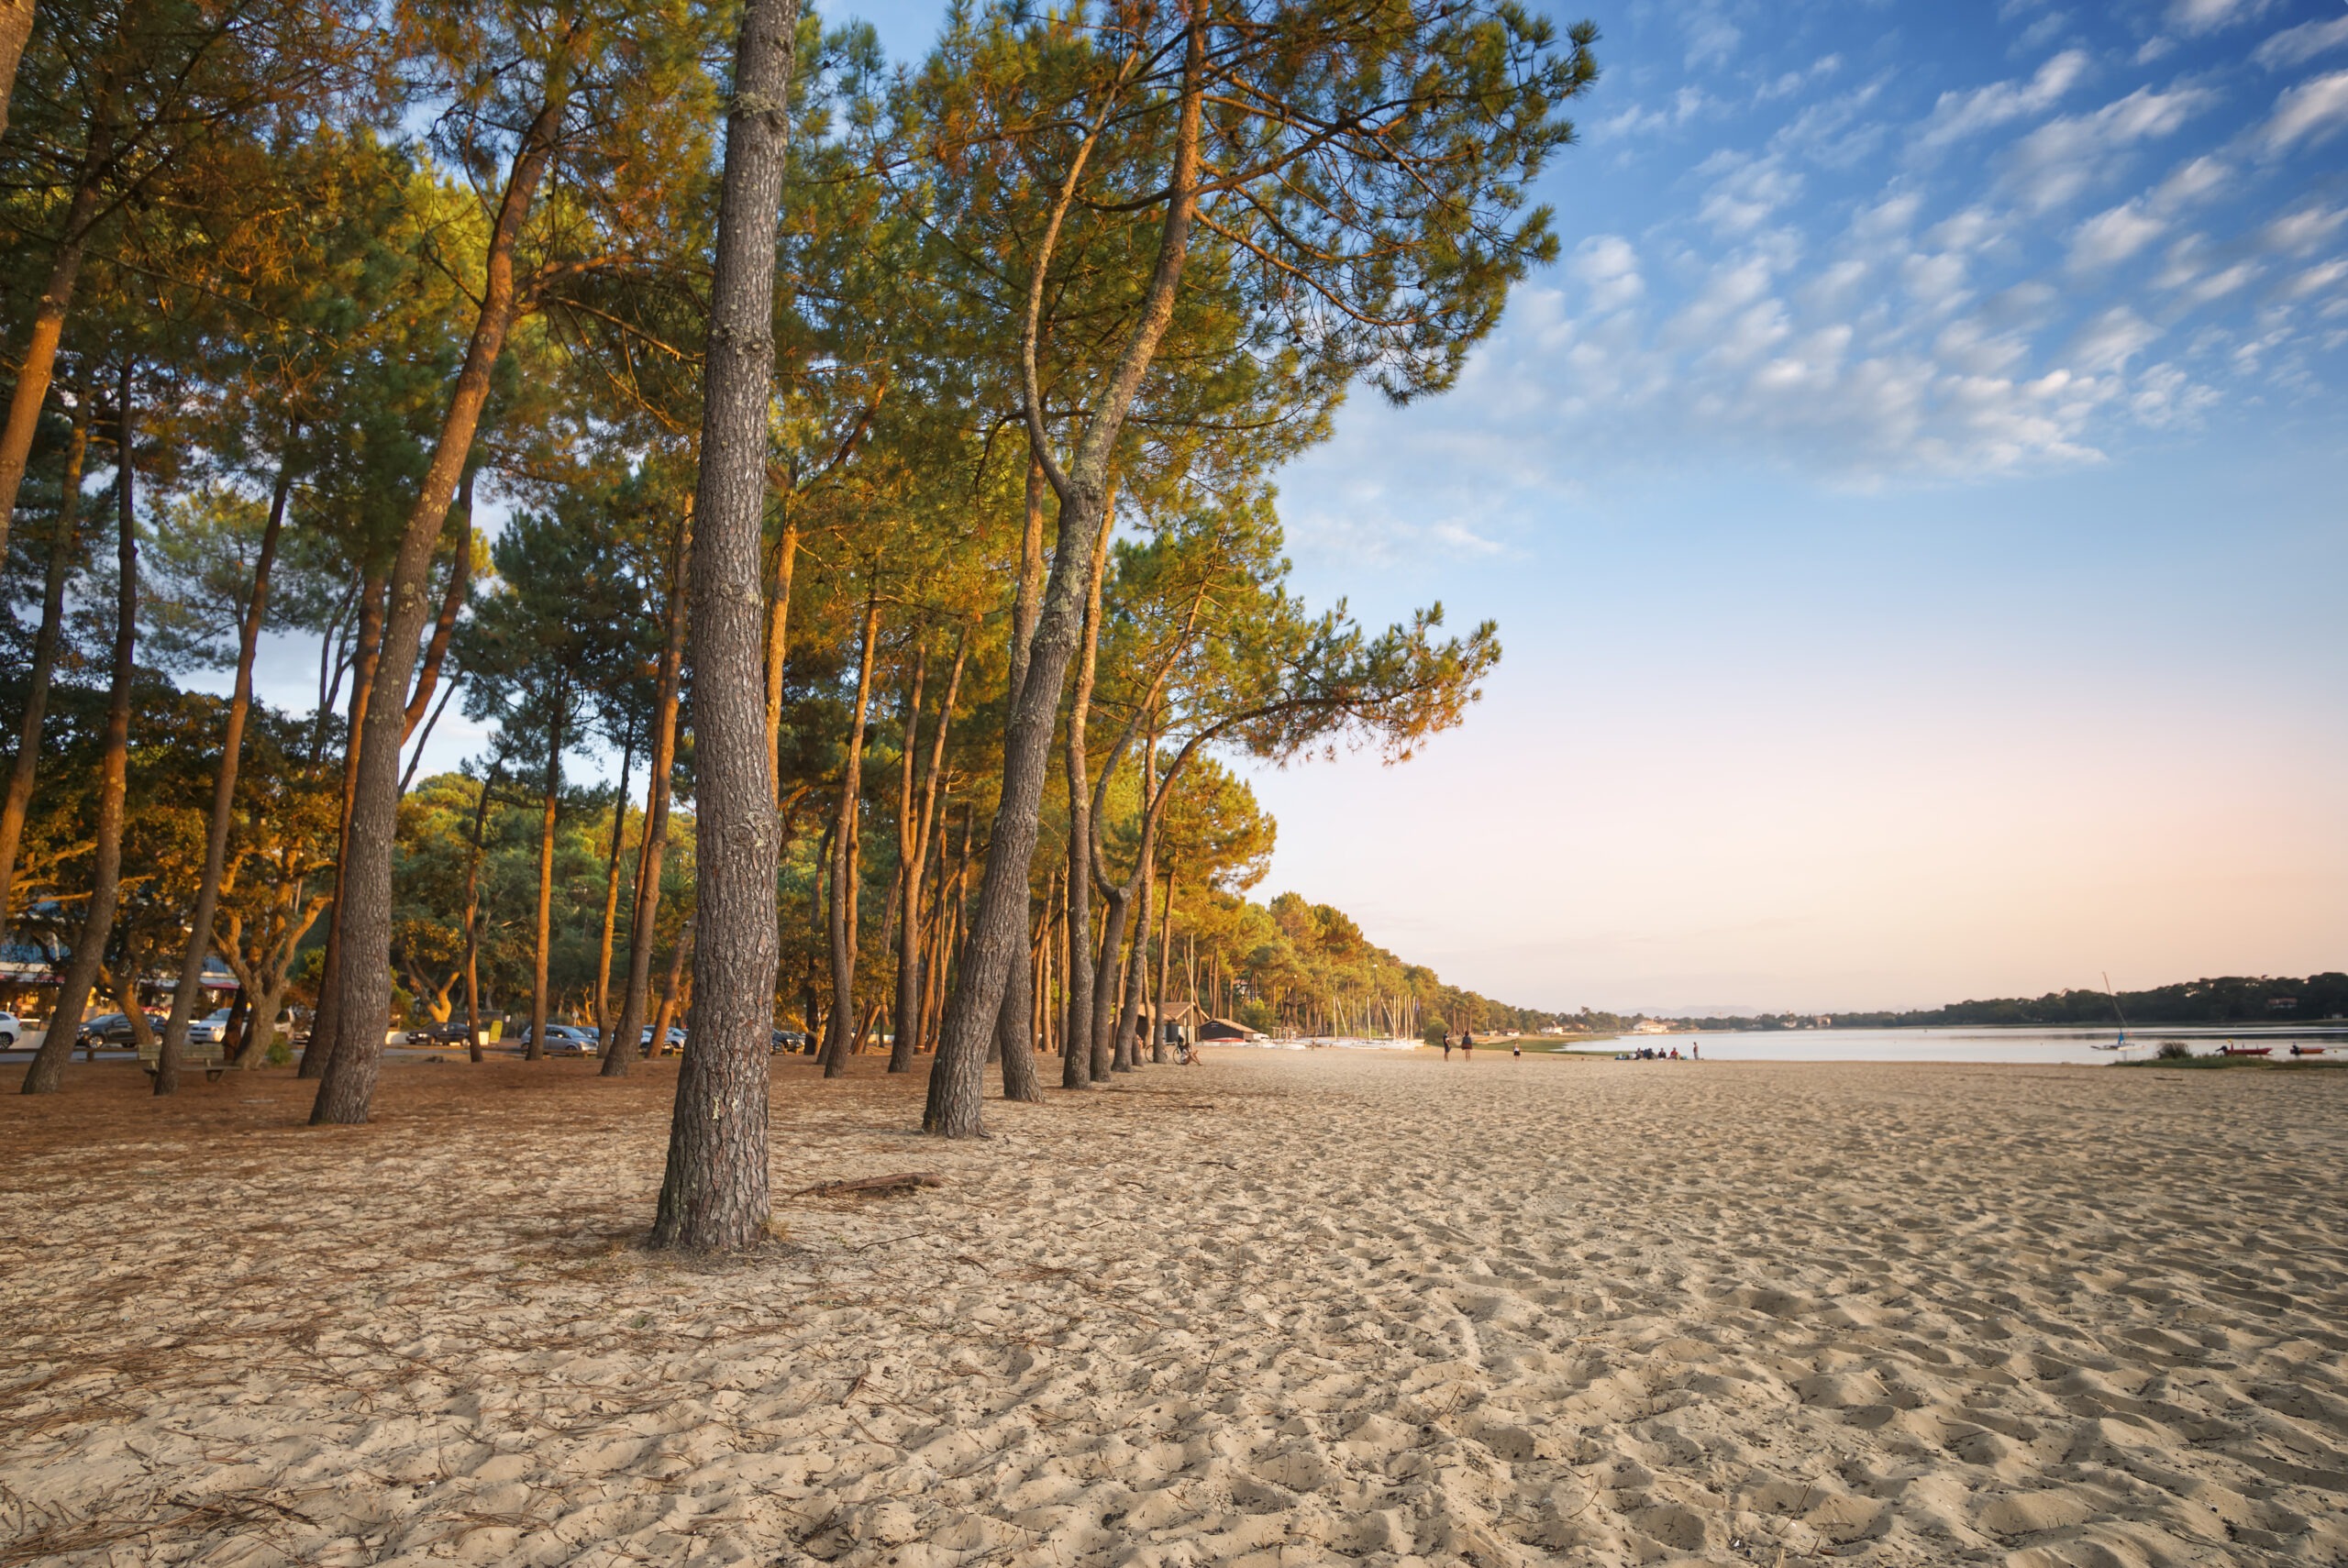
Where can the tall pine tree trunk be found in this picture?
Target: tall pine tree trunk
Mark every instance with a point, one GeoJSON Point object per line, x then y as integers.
{"type": "Point", "coordinates": [472, 912]}
{"type": "Point", "coordinates": [1165, 972]}
{"type": "Point", "coordinates": [786, 562]}
{"type": "Point", "coordinates": [912, 992]}
{"type": "Point", "coordinates": [847, 873]}
{"type": "Point", "coordinates": [716, 1194]}
{"type": "Point", "coordinates": [15, 27]}
{"type": "Point", "coordinates": [62, 549]}
{"type": "Point", "coordinates": [1081, 1065]}
{"type": "Point", "coordinates": [368, 650]}
{"type": "Point", "coordinates": [998, 936]}
{"type": "Point", "coordinates": [363, 966]}
{"type": "Point", "coordinates": [223, 794]}
{"type": "Point", "coordinates": [46, 1075]}
{"type": "Point", "coordinates": [643, 921]}
{"type": "Point", "coordinates": [606, 1026]}
{"type": "Point", "coordinates": [549, 803]}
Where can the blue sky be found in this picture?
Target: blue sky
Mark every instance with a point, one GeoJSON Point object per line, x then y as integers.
{"type": "Point", "coordinates": [1913, 506]}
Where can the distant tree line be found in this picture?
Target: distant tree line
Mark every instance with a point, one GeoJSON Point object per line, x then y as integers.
{"type": "Point", "coordinates": [2234, 998]}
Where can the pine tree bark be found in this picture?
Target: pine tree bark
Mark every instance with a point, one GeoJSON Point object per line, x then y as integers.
{"type": "Point", "coordinates": [348, 1088]}
{"type": "Point", "coordinates": [472, 912]}
{"type": "Point", "coordinates": [665, 1014]}
{"type": "Point", "coordinates": [998, 937]}
{"type": "Point", "coordinates": [778, 645]}
{"type": "Point", "coordinates": [906, 893]}
{"type": "Point", "coordinates": [1165, 974]}
{"type": "Point", "coordinates": [46, 1075]}
{"type": "Point", "coordinates": [368, 650]}
{"type": "Point", "coordinates": [644, 924]}
{"type": "Point", "coordinates": [1014, 1036]}
{"type": "Point", "coordinates": [606, 1026]}
{"type": "Point", "coordinates": [847, 873]}
{"type": "Point", "coordinates": [38, 361]}
{"type": "Point", "coordinates": [223, 794]}
{"type": "Point", "coordinates": [1081, 1065]}
{"type": "Point", "coordinates": [63, 545]}
{"type": "Point", "coordinates": [550, 804]}
{"type": "Point", "coordinates": [920, 828]}
{"type": "Point", "coordinates": [716, 1193]}
{"type": "Point", "coordinates": [15, 27]}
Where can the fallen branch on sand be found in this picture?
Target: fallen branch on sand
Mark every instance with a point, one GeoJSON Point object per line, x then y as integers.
{"type": "Point", "coordinates": [905, 1182]}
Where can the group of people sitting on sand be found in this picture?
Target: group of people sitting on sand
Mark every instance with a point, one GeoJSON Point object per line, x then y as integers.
{"type": "Point", "coordinates": [1657, 1054]}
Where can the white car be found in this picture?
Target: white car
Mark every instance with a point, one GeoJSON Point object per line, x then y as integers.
{"type": "Point", "coordinates": [11, 1032]}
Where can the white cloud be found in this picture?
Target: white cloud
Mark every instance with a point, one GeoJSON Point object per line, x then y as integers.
{"type": "Point", "coordinates": [2111, 339]}
{"type": "Point", "coordinates": [2313, 109]}
{"type": "Point", "coordinates": [2110, 237]}
{"type": "Point", "coordinates": [2294, 46]}
{"type": "Point", "coordinates": [1609, 267]}
{"type": "Point", "coordinates": [1683, 106]}
{"type": "Point", "coordinates": [2195, 16]}
{"type": "Point", "coordinates": [1743, 199]}
{"type": "Point", "coordinates": [2062, 158]}
{"type": "Point", "coordinates": [2314, 280]}
{"type": "Point", "coordinates": [1960, 114]}
{"type": "Point", "coordinates": [1711, 37]}
{"type": "Point", "coordinates": [2296, 233]}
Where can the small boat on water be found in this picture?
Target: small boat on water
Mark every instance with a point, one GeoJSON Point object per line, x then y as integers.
{"type": "Point", "coordinates": [2231, 1049]}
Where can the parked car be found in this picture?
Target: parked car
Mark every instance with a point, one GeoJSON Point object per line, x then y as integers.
{"type": "Point", "coordinates": [114, 1029]}
{"type": "Point", "coordinates": [456, 1031]}
{"type": "Point", "coordinates": [792, 1040]}
{"type": "Point", "coordinates": [562, 1040]}
{"type": "Point", "coordinates": [211, 1029]}
{"type": "Point", "coordinates": [675, 1042]}
{"type": "Point", "coordinates": [11, 1032]}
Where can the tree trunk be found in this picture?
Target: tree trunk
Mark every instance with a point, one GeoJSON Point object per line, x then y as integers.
{"type": "Point", "coordinates": [1082, 1063]}
{"type": "Point", "coordinates": [999, 931]}
{"type": "Point", "coordinates": [846, 870]}
{"type": "Point", "coordinates": [1015, 1016]}
{"type": "Point", "coordinates": [472, 912]}
{"type": "Point", "coordinates": [63, 547]}
{"type": "Point", "coordinates": [606, 1026]}
{"type": "Point", "coordinates": [551, 801]}
{"type": "Point", "coordinates": [1138, 971]}
{"type": "Point", "coordinates": [364, 659]}
{"type": "Point", "coordinates": [906, 1008]}
{"type": "Point", "coordinates": [38, 361]}
{"type": "Point", "coordinates": [665, 1015]}
{"type": "Point", "coordinates": [365, 894]}
{"type": "Point", "coordinates": [444, 627]}
{"type": "Point", "coordinates": [911, 993]}
{"type": "Point", "coordinates": [223, 794]}
{"type": "Point", "coordinates": [643, 924]}
{"type": "Point", "coordinates": [15, 27]}
{"type": "Point", "coordinates": [1165, 972]}
{"type": "Point", "coordinates": [715, 1193]}
{"type": "Point", "coordinates": [46, 1075]}
{"type": "Point", "coordinates": [777, 644]}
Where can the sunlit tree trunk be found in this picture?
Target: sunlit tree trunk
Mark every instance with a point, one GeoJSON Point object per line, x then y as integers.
{"type": "Point", "coordinates": [1079, 1065]}
{"type": "Point", "coordinates": [606, 1026]}
{"type": "Point", "coordinates": [369, 648]}
{"type": "Point", "coordinates": [63, 547]}
{"type": "Point", "coordinates": [223, 794]}
{"type": "Point", "coordinates": [472, 911]}
{"type": "Point", "coordinates": [1165, 971]}
{"type": "Point", "coordinates": [38, 360]}
{"type": "Point", "coordinates": [550, 804]}
{"type": "Point", "coordinates": [46, 1075]}
{"type": "Point", "coordinates": [847, 874]}
{"type": "Point", "coordinates": [1014, 1036]}
{"type": "Point", "coordinates": [786, 560]}
{"type": "Point", "coordinates": [999, 929]}
{"type": "Point", "coordinates": [347, 1089]}
{"type": "Point", "coordinates": [619, 1053]}
{"type": "Point", "coordinates": [716, 1194]}
{"type": "Point", "coordinates": [15, 27]}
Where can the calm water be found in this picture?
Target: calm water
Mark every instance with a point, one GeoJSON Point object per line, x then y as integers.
{"type": "Point", "coordinates": [2039, 1045]}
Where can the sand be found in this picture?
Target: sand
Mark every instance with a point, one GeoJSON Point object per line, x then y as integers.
{"type": "Point", "coordinates": [1279, 1310]}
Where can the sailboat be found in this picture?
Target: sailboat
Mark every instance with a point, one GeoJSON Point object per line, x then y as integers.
{"type": "Point", "coordinates": [2119, 1044]}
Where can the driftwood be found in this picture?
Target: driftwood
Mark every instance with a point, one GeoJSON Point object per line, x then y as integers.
{"type": "Point", "coordinates": [905, 1181]}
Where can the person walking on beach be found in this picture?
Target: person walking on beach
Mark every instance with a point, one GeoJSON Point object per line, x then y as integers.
{"type": "Point", "coordinates": [1468, 1045]}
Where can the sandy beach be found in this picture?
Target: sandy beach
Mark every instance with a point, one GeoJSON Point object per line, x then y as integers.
{"type": "Point", "coordinates": [1284, 1309]}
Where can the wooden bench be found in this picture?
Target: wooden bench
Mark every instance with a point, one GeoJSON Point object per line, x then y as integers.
{"type": "Point", "coordinates": [210, 1057]}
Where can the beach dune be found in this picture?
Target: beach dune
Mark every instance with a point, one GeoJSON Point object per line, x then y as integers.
{"type": "Point", "coordinates": [1286, 1308]}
